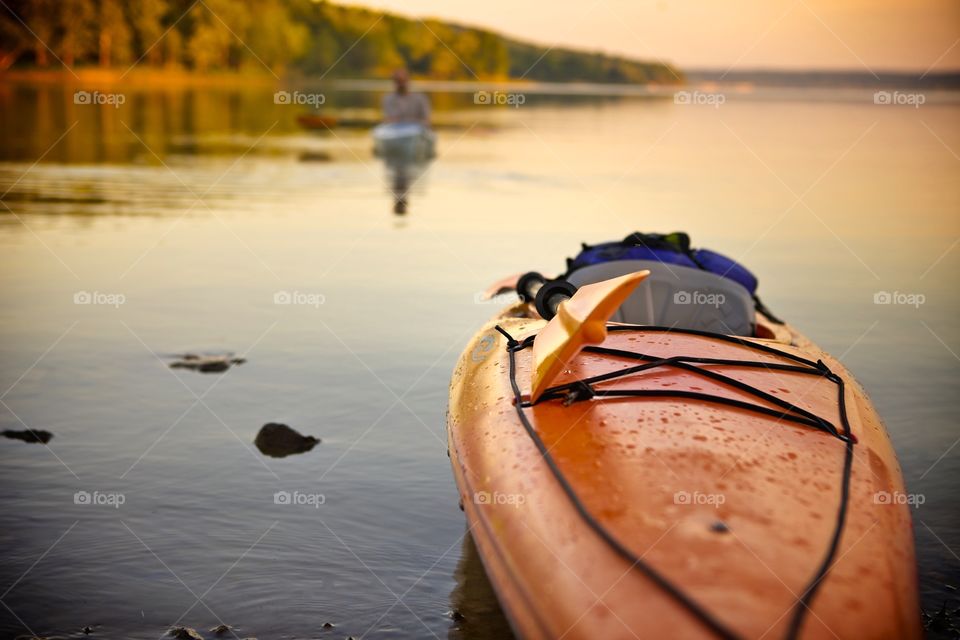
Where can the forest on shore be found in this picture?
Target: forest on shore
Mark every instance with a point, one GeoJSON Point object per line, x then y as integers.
{"type": "Point", "coordinates": [307, 37]}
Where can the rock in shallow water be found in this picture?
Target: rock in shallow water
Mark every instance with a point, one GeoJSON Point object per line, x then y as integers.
{"type": "Point", "coordinates": [278, 440]}
{"type": "Point", "coordinates": [205, 364]}
{"type": "Point", "coordinates": [184, 633]}
{"type": "Point", "coordinates": [28, 435]}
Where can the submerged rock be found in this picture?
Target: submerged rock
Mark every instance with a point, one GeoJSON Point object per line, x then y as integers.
{"type": "Point", "coordinates": [278, 440]}
{"type": "Point", "coordinates": [184, 633]}
{"type": "Point", "coordinates": [205, 364]}
{"type": "Point", "coordinates": [28, 435]}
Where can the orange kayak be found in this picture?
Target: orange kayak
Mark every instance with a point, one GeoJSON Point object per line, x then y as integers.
{"type": "Point", "coordinates": [682, 484]}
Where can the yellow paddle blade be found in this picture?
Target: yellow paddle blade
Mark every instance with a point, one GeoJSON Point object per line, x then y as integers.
{"type": "Point", "coordinates": [580, 321]}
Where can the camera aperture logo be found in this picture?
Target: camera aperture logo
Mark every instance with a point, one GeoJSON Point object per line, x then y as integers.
{"type": "Point", "coordinates": [699, 98]}
{"type": "Point", "coordinates": [484, 498]}
{"type": "Point", "coordinates": [99, 498]}
{"type": "Point", "coordinates": [483, 348]}
{"type": "Point", "coordinates": [898, 498]}
{"type": "Point", "coordinates": [302, 298]}
{"type": "Point", "coordinates": [99, 298]}
{"type": "Point", "coordinates": [99, 98]}
{"type": "Point", "coordinates": [499, 98]}
{"type": "Point", "coordinates": [697, 498]}
{"type": "Point", "coordinates": [899, 98]}
{"type": "Point", "coordinates": [299, 98]}
{"type": "Point", "coordinates": [899, 298]}
{"type": "Point", "coordinates": [299, 499]}
{"type": "Point", "coordinates": [699, 298]}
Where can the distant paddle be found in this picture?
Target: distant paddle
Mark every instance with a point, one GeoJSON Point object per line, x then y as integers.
{"type": "Point", "coordinates": [580, 321]}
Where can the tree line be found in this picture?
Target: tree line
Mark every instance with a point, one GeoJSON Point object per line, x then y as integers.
{"type": "Point", "coordinates": [304, 36]}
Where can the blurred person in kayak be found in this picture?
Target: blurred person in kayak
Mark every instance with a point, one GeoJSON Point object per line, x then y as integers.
{"type": "Point", "coordinates": [403, 106]}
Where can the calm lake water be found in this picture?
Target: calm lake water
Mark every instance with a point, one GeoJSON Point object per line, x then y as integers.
{"type": "Point", "coordinates": [183, 215]}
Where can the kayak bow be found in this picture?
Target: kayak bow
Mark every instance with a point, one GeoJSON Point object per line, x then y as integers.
{"type": "Point", "coordinates": [671, 482]}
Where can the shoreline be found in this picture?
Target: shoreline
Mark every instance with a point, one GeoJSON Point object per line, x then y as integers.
{"type": "Point", "coordinates": [695, 89]}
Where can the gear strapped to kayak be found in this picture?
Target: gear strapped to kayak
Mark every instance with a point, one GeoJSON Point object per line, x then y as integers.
{"type": "Point", "coordinates": [585, 389]}
{"type": "Point", "coordinates": [671, 248]}
{"type": "Point", "coordinates": [690, 288]}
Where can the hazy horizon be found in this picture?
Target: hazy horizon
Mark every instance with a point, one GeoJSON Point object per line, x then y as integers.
{"type": "Point", "coordinates": [780, 35]}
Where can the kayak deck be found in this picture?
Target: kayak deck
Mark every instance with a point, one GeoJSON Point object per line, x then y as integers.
{"type": "Point", "coordinates": [681, 500]}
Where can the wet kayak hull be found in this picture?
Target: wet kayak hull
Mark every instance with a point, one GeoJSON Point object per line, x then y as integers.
{"type": "Point", "coordinates": [735, 508]}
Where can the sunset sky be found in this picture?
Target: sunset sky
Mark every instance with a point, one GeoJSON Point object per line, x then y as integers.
{"type": "Point", "coordinates": [870, 35]}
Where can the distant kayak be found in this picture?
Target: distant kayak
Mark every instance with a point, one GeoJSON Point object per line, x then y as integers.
{"type": "Point", "coordinates": [675, 478]}
{"type": "Point", "coordinates": [403, 141]}
{"type": "Point", "coordinates": [316, 121]}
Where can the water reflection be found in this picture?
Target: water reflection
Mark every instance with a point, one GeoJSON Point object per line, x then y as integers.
{"type": "Point", "coordinates": [402, 176]}
{"type": "Point", "coordinates": [406, 149]}
{"type": "Point", "coordinates": [155, 121]}
{"type": "Point", "coordinates": [99, 212]}
{"type": "Point", "coordinates": [477, 616]}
